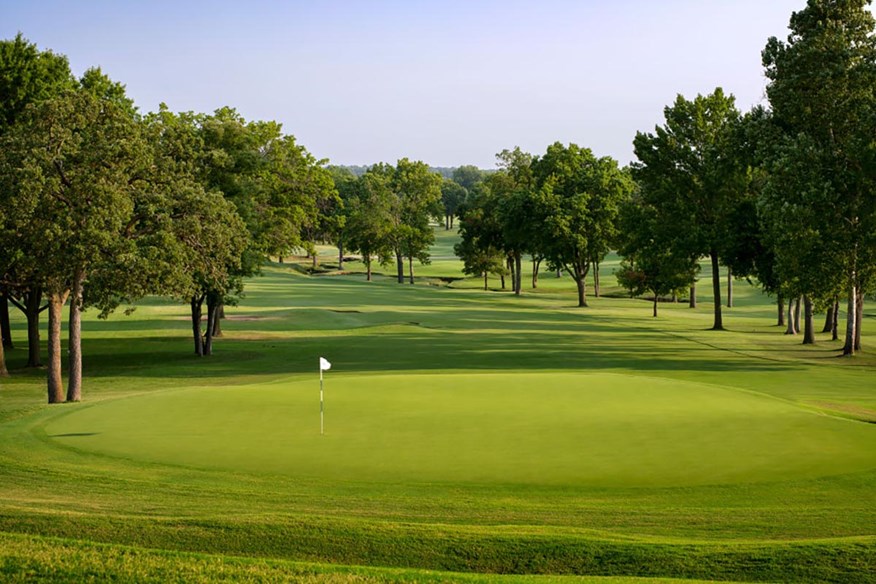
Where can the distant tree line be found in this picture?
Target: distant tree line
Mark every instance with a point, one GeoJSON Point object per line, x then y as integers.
{"type": "Point", "coordinates": [386, 212]}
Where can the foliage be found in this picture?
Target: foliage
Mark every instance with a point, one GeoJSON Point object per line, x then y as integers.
{"type": "Point", "coordinates": [823, 96]}
{"type": "Point", "coordinates": [577, 205]}
{"type": "Point", "coordinates": [452, 197]}
{"type": "Point", "coordinates": [468, 176]}
{"type": "Point", "coordinates": [28, 75]}
{"type": "Point", "coordinates": [480, 234]}
{"type": "Point", "coordinates": [650, 264]}
{"type": "Point", "coordinates": [690, 178]}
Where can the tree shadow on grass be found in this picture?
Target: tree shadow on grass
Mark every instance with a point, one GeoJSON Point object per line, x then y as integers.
{"type": "Point", "coordinates": [416, 349]}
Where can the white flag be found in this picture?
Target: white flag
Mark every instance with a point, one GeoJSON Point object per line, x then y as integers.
{"type": "Point", "coordinates": [324, 365]}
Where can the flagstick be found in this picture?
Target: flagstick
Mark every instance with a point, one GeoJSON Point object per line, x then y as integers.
{"type": "Point", "coordinates": [321, 424]}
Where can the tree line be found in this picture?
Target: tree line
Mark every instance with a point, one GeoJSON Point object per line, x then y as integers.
{"type": "Point", "coordinates": [101, 205]}
{"type": "Point", "coordinates": [783, 195]}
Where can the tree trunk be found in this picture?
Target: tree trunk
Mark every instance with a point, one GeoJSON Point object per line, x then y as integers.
{"type": "Point", "coordinates": [486, 274]}
{"type": "Point", "coordinates": [400, 267]}
{"type": "Point", "coordinates": [367, 259]}
{"type": "Point", "coordinates": [213, 303]}
{"type": "Point", "coordinates": [780, 304]}
{"type": "Point", "coordinates": [3, 371]}
{"type": "Point", "coordinates": [518, 268]}
{"type": "Point", "coordinates": [217, 322]}
{"type": "Point", "coordinates": [582, 292]}
{"type": "Point", "coordinates": [502, 278]}
{"type": "Point", "coordinates": [693, 296]}
{"type": "Point", "coordinates": [859, 316]}
{"type": "Point", "coordinates": [828, 320]}
{"type": "Point", "coordinates": [716, 289]}
{"type": "Point", "coordinates": [513, 274]}
{"type": "Point", "coordinates": [729, 287]}
{"type": "Point", "coordinates": [834, 331]}
{"type": "Point", "coordinates": [4, 330]}
{"type": "Point", "coordinates": [5, 327]}
{"type": "Point", "coordinates": [315, 260]}
{"type": "Point", "coordinates": [655, 305]}
{"type": "Point", "coordinates": [74, 341]}
{"type": "Point", "coordinates": [451, 220]}
{"type": "Point", "coordinates": [53, 371]}
{"type": "Point", "coordinates": [808, 322]}
{"type": "Point", "coordinates": [196, 304]}
{"type": "Point", "coordinates": [596, 279]}
{"type": "Point", "coordinates": [798, 304]}
{"type": "Point", "coordinates": [411, 269]}
{"type": "Point", "coordinates": [580, 276]}
{"type": "Point", "coordinates": [791, 330]}
{"type": "Point", "coordinates": [340, 256]}
{"type": "Point", "coordinates": [536, 264]}
{"type": "Point", "coordinates": [446, 222]}
{"type": "Point", "coordinates": [32, 310]}
{"type": "Point", "coordinates": [851, 317]}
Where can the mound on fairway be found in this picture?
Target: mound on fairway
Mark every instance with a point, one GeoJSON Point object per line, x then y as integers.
{"type": "Point", "coordinates": [548, 429]}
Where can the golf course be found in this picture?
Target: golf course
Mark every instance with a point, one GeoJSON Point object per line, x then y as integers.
{"type": "Point", "coordinates": [469, 436]}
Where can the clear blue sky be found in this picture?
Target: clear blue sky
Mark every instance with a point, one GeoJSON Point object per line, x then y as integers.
{"type": "Point", "coordinates": [449, 82]}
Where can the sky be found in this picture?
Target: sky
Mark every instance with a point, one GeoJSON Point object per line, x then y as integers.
{"type": "Point", "coordinates": [448, 82]}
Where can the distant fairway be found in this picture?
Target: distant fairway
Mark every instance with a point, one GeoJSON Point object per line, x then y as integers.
{"type": "Point", "coordinates": [540, 429]}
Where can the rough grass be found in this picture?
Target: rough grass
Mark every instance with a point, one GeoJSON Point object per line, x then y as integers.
{"type": "Point", "coordinates": [36, 559]}
{"type": "Point", "coordinates": [736, 455]}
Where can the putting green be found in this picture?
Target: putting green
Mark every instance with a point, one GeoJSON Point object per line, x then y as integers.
{"type": "Point", "coordinates": [526, 428]}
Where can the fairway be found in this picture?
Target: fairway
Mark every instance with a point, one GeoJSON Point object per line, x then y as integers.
{"type": "Point", "coordinates": [466, 430]}
{"type": "Point", "coordinates": [551, 429]}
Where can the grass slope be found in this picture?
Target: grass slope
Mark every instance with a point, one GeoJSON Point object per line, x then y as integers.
{"type": "Point", "coordinates": [33, 559]}
{"type": "Point", "coordinates": [467, 431]}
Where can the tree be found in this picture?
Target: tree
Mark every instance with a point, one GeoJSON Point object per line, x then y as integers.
{"type": "Point", "coordinates": [27, 75]}
{"type": "Point", "coordinates": [203, 239]}
{"type": "Point", "coordinates": [371, 219]}
{"type": "Point", "coordinates": [414, 194]}
{"type": "Point", "coordinates": [452, 196]}
{"type": "Point", "coordinates": [689, 177]}
{"type": "Point", "coordinates": [234, 161]}
{"type": "Point", "coordinates": [650, 265]}
{"type": "Point", "coordinates": [298, 204]}
{"type": "Point", "coordinates": [468, 176]}
{"type": "Point", "coordinates": [578, 203]}
{"type": "Point", "coordinates": [73, 161]}
{"type": "Point", "coordinates": [748, 231]}
{"type": "Point", "coordinates": [822, 92]}
{"type": "Point", "coordinates": [3, 371]}
{"type": "Point", "coordinates": [480, 236]}
{"type": "Point", "coordinates": [348, 188]}
{"type": "Point", "coordinates": [514, 204]}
